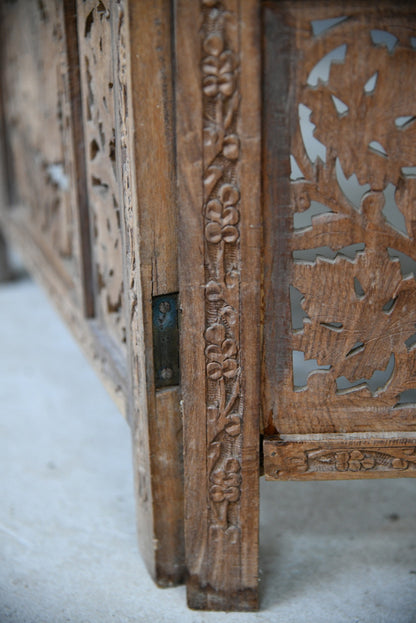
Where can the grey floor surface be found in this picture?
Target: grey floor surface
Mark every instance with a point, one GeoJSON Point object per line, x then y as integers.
{"type": "Point", "coordinates": [336, 552]}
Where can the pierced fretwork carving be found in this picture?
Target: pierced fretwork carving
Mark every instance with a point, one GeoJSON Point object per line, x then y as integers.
{"type": "Point", "coordinates": [98, 83]}
{"type": "Point", "coordinates": [347, 258]}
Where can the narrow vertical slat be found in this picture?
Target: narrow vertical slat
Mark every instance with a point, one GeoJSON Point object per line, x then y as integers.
{"type": "Point", "coordinates": [142, 60]}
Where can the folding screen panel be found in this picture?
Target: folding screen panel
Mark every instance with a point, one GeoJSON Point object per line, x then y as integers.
{"type": "Point", "coordinates": [340, 256]}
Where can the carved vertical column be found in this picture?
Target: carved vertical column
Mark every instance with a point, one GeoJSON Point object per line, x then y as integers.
{"type": "Point", "coordinates": [218, 172]}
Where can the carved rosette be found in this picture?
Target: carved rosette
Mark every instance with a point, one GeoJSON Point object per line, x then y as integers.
{"type": "Point", "coordinates": [219, 83]}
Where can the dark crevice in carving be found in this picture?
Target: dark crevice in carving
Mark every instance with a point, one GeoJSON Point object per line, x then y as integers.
{"type": "Point", "coordinates": [97, 182]}
{"type": "Point", "coordinates": [94, 149]}
{"type": "Point", "coordinates": [42, 11]}
{"type": "Point", "coordinates": [333, 326]}
{"type": "Point", "coordinates": [377, 148]}
{"type": "Point", "coordinates": [88, 23]}
{"type": "Point", "coordinates": [410, 342]}
{"type": "Point", "coordinates": [357, 348]}
{"type": "Point", "coordinates": [112, 148]}
{"type": "Point", "coordinates": [404, 122]}
{"type": "Point", "coordinates": [389, 306]}
{"type": "Point", "coordinates": [101, 10]}
{"type": "Point", "coordinates": [102, 134]}
{"type": "Point", "coordinates": [358, 288]}
{"type": "Point", "coordinates": [90, 94]}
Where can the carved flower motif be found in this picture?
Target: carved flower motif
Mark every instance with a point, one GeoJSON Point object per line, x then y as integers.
{"type": "Point", "coordinates": [223, 216]}
{"type": "Point", "coordinates": [221, 353]}
{"type": "Point", "coordinates": [226, 482]}
{"type": "Point", "coordinates": [353, 461]}
{"type": "Point", "coordinates": [399, 464]}
{"type": "Point", "coordinates": [213, 291]}
{"type": "Point", "coordinates": [218, 67]}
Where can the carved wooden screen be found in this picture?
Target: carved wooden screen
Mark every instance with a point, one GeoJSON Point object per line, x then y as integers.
{"type": "Point", "coordinates": [40, 164]}
{"type": "Point", "coordinates": [98, 82]}
{"type": "Point", "coordinates": [340, 198]}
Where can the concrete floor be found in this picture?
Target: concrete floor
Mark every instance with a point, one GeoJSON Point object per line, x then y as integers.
{"type": "Point", "coordinates": [336, 552]}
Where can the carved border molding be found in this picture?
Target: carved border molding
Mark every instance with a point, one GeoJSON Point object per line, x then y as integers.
{"type": "Point", "coordinates": [339, 459]}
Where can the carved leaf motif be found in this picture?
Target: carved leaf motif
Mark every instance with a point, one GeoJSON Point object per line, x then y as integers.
{"type": "Point", "coordinates": [341, 318]}
{"type": "Point", "coordinates": [371, 113]}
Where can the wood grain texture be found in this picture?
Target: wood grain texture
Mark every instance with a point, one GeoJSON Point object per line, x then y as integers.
{"type": "Point", "coordinates": [151, 270]}
{"type": "Point", "coordinates": [340, 457]}
{"type": "Point", "coordinates": [218, 174]}
{"type": "Point", "coordinates": [326, 132]}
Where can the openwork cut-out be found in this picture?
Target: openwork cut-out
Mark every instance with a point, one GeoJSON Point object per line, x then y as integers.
{"type": "Point", "coordinates": [353, 186]}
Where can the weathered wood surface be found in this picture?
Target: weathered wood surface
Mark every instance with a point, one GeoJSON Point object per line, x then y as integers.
{"type": "Point", "coordinates": [147, 169]}
{"type": "Point", "coordinates": [217, 54]}
{"type": "Point", "coordinates": [99, 118]}
{"type": "Point", "coordinates": [339, 147]}
{"type": "Point", "coordinates": [340, 457]}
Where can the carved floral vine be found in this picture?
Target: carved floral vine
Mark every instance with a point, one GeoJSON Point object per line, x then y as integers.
{"type": "Point", "coordinates": [221, 148]}
{"type": "Point", "coordinates": [362, 459]}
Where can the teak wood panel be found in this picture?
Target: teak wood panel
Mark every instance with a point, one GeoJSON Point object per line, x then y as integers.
{"type": "Point", "coordinates": [340, 149]}
{"type": "Point", "coordinates": [218, 134]}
